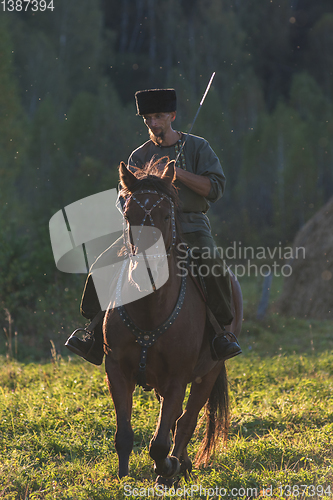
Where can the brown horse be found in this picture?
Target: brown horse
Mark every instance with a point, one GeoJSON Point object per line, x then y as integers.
{"type": "Point", "coordinates": [138, 351]}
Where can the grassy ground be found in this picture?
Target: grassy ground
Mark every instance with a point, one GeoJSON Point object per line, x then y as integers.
{"type": "Point", "coordinates": [57, 423]}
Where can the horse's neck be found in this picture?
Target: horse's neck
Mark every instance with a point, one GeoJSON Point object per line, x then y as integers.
{"type": "Point", "coordinates": [172, 284]}
{"type": "Point", "coordinates": [170, 288]}
{"type": "Point", "coordinates": [153, 309]}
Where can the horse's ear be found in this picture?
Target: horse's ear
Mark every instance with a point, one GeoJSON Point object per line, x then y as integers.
{"type": "Point", "coordinates": [169, 172]}
{"type": "Point", "coordinates": [126, 177]}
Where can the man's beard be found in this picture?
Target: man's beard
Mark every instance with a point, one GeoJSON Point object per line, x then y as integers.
{"type": "Point", "coordinates": [157, 139]}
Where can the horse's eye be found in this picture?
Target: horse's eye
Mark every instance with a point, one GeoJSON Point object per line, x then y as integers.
{"type": "Point", "coordinates": [167, 217]}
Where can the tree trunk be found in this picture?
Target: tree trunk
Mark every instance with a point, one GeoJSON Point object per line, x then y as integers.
{"type": "Point", "coordinates": [138, 25]}
{"type": "Point", "coordinates": [124, 27]}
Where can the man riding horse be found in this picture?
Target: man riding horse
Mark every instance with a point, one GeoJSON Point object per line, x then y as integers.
{"type": "Point", "coordinates": [200, 180]}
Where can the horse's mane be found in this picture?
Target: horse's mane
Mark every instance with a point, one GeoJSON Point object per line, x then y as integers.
{"type": "Point", "coordinates": [149, 177]}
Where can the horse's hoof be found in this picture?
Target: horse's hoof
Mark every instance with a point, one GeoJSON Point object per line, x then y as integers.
{"type": "Point", "coordinates": [175, 466]}
{"type": "Point", "coordinates": [164, 481]}
{"type": "Point", "coordinates": [168, 467]}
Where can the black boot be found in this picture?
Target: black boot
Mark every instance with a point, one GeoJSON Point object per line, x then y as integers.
{"type": "Point", "coordinates": [91, 347]}
{"type": "Point", "coordinates": [223, 348]}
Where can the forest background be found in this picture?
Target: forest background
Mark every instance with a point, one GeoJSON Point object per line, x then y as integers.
{"type": "Point", "coordinates": [68, 117]}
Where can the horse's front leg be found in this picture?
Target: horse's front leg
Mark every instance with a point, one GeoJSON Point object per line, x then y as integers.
{"type": "Point", "coordinates": [121, 391]}
{"type": "Point", "coordinates": [171, 409]}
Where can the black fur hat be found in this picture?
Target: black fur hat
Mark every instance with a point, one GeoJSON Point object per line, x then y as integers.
{"type": "Point", "coordinates": [155, 101]}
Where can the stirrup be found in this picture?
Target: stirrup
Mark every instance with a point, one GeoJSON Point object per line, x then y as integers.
{"type": "Point", "coordinates": [224, 335]}
{"type": "Point", "coordinates": [232, 335]}
{"type": "Point", "coordinates": [90, 328]}
{"type": "Point", "coordinates": [88, 332]}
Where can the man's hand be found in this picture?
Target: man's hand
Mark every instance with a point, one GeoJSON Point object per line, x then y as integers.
{"type": "Point", "coordinates": [200, 184]}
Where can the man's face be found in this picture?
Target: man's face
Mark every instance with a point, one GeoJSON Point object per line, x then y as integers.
{"type": "Point", "coordinates": [158, 124]}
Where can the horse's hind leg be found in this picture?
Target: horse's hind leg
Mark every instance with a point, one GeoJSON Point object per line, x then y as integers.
{"type": "Point", "coordinates": [185, 461]}
{"type": "Point", "coordinates": [121, 391]}
{"type": "Point", "coordinates": [186, 424]}
{"type": "Point", "coordinates": [185, 464]}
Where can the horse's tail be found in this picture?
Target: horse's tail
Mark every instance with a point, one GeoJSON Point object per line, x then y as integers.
{"type": "Point", "coordinates": [217, 418]}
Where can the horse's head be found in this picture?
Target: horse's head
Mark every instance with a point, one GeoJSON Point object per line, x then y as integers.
{"type": "Point", "coordinates": [150, 214]}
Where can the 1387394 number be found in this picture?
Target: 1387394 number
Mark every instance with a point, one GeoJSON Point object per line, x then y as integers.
{"type": "Point", "coordinates": [25, 5]}
{"type": "Point", "coordinates": [304, 490]}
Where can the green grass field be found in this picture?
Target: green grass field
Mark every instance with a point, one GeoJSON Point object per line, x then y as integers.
{"type": "Point", "coordinates": [57, 423]}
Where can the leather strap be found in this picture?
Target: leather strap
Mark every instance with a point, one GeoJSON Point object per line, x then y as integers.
{"type": "Point", "coordinates": [99, 316]}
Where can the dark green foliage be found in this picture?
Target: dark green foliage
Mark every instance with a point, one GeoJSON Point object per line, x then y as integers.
{"type": "Point", "coordinates": [67, 80]}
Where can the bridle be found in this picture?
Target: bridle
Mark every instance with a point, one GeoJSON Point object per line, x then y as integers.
{"type": "Point", "coordinates": [147, 214]}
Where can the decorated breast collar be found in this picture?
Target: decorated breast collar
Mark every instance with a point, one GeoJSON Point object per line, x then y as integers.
{"type": "Point", "coordinates": [147, 338]}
